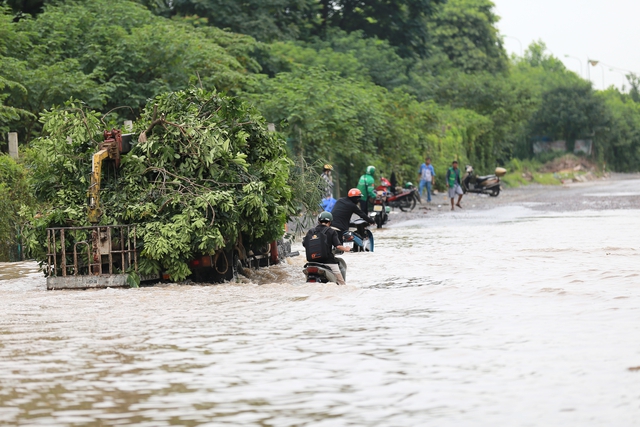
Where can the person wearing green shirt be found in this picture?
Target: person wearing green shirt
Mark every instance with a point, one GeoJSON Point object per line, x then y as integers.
{"type": "Point", "coordinates": [453, 182]}
{"type": "Point", "coordinates": [365, 185]}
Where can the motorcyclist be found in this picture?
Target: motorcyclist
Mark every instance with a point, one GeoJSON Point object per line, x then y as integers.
{"type": "Point", "coordinates": [332, 240]}
{"type": "Point", "coordinates": [365, 185]}
{"type": "Point", "coordinates": [345, 207]}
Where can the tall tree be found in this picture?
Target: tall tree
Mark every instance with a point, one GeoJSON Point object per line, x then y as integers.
{"type": "Point", "coordinates": [402, 22]}
{"type": "Point", "coordinates": [30, 7]}
{"type": "Point", "coordinates": [465, 30]}
{"type": "Point", "coordinates": [70, 50]}
{"type": "Point", "coordinates": [266, 20]}
{"type": "Point", "coordinates": [570, 111]}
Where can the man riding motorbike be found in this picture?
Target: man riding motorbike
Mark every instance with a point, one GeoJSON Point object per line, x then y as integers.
{"type": "Point", "coordinates": [323, 254]}
{"type": "Point", "coordinates": [344, 208]}
{"type": "Point", "coordinates": [365, 185]}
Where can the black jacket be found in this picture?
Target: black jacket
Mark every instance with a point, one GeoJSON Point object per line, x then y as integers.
{"type": "Point", "coordinates": [332, 241]}
{"type": "Point", "coordinates": [342, 211]}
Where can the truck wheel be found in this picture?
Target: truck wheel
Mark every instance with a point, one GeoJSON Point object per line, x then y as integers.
{"type": "Point", "coordinates": [238, 268]}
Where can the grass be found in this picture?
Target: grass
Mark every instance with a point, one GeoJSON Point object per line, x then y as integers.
{"type": "Point", "coordinates": [525, 172]}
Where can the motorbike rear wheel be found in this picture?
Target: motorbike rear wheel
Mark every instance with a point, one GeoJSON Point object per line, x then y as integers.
{"type": "Point", "coordinates": [495, 191]}
{"type": "Point", "coordinates": [409, 205]}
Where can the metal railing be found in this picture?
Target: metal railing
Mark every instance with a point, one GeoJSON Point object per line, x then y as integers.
{"type": "Point", "coordinates": [94, 250]}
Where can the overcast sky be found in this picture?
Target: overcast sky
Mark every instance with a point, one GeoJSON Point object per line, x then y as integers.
{"type": "Point", "coordinates": [603, 30]}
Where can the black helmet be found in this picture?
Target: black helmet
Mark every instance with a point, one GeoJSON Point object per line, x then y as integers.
{"type": "Point", "coordinates": [325, 217]}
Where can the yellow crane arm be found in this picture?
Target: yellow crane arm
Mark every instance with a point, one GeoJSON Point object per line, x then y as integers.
{"type": "Point", "coordinates": [94, 211]}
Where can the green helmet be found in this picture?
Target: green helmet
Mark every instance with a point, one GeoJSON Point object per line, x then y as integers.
{"type": "Point", "coordinates": [371, 170]}
{"type": "Point", "coordinates": [325, 217]}
{"type": "Point", "coordinates": [408, 184]}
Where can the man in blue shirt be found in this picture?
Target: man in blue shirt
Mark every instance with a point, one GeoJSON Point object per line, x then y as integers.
{"type": "Point", "coordinates": [427, 177]}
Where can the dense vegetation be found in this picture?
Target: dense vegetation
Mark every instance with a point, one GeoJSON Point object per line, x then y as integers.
{"type": "Point", "coordinates": [206, 173]}
{"type": "Point", "coordinates": [350, 82]}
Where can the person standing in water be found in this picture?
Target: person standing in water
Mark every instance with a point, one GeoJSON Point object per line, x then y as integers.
{"type": "Point", "coordinates": [427, 177]}
{"type": "Point", "coordinates": [453, 182]}
{"type": "Point", "coordinates": [326, 176]}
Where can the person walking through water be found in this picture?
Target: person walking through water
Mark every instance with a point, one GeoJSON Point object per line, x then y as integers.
{"type": "Point", "coordinates": [453, 182]}
{"type": "Point", "coordinates": [328, 201]}
{"type": "Point", "coordinates": [365, 185]}
{"type": "Point", "coordinates": [326, 175]}
{"type": "Point", "coordinates": [427, 177]}
{"type": "Point", "coordinates": [327, 238]}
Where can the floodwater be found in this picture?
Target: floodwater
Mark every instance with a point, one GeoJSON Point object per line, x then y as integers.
{"type": "Point", "coordinates": [501, 317]}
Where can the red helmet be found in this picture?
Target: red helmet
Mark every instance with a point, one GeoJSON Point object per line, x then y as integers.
{"type": "Point", "coordinates": [354, 192]}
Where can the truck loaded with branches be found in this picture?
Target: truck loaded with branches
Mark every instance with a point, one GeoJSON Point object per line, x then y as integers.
{"type": "Point", "coordinates": [201, 184]}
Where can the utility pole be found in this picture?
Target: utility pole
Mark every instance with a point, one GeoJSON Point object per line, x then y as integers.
{"type": "Point", "coordinates": [579, 62]}
{"type": "Point", "coordinates": [13, 145]}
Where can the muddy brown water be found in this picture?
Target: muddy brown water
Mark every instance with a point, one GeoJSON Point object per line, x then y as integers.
{"type": "Point", "coordinates": [517, 311]}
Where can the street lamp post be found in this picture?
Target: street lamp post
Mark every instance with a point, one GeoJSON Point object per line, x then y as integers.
{"type": "Point", "coordinates": [594, 63]}
{"type": "Point", "coordinates": [579, 62]}
{"type": "Point", "coordinates": [624, 78]}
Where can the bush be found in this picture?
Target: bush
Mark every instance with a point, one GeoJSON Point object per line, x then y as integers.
{"type": "Point", "coordinates": [14, 194]}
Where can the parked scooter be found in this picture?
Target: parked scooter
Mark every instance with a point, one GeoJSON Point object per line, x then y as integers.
{"type": "Point", "coordinates": [403, 198]}
{"type": "Point", "coordinates": [487, 184]}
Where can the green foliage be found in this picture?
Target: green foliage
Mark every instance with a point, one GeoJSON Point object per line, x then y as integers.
{"type": "Point", "coordinates": [71, 49]}
{"type": "Point", "coordinates": [571, 111]}
{"type": "Point", "coordinates": [352, 55]}
{"type": "Point", "coordinates": [8, 113]}
{"type": "Point", "coordinates": [404, 23]}
{"type": "Point", "coordinates": [464, 30]}
{"type": "Point", "coordinates": [619, 143]}
{"type": "Point", "coordinates": [525, 172]}
{"type": "Point", "coordinates": [266, 20]}
{"type": "Point", "coordinates": [208, 173]}
{"type": "Point", "coordinates": [14, 194]}
{"type": "Point", "coordinates": [503, 101]}
{"type": "Point", "coordinates": [350, 123]}
{"type": "Point", "coordinates": [31, 7]}
{"type": "Point", "coordinates": [350, 82]}
{"type": "Point", "coordinates": [307, 187]}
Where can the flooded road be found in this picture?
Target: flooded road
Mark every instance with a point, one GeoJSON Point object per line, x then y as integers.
{"type": "Point", "coordinates": [525, 314]}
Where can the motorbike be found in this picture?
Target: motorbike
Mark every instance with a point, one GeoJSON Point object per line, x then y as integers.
{"type": "Point", "coordinates": [405, 199]}
{"type": "Point", "coordinates": [360, 239]}
{"type": "Point", "coordinates": [381, 209]}
{"type": "Point", "coordinates": [316, 272]}
{"type": "Point", "coordinates": [487, 184]}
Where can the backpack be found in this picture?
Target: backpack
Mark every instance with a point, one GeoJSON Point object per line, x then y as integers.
{"type": "Point", "coordinates": [317, 246]}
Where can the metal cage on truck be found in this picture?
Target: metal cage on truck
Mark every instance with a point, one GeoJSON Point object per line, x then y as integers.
{"type": "Point", "coordinates": [90, 257]}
